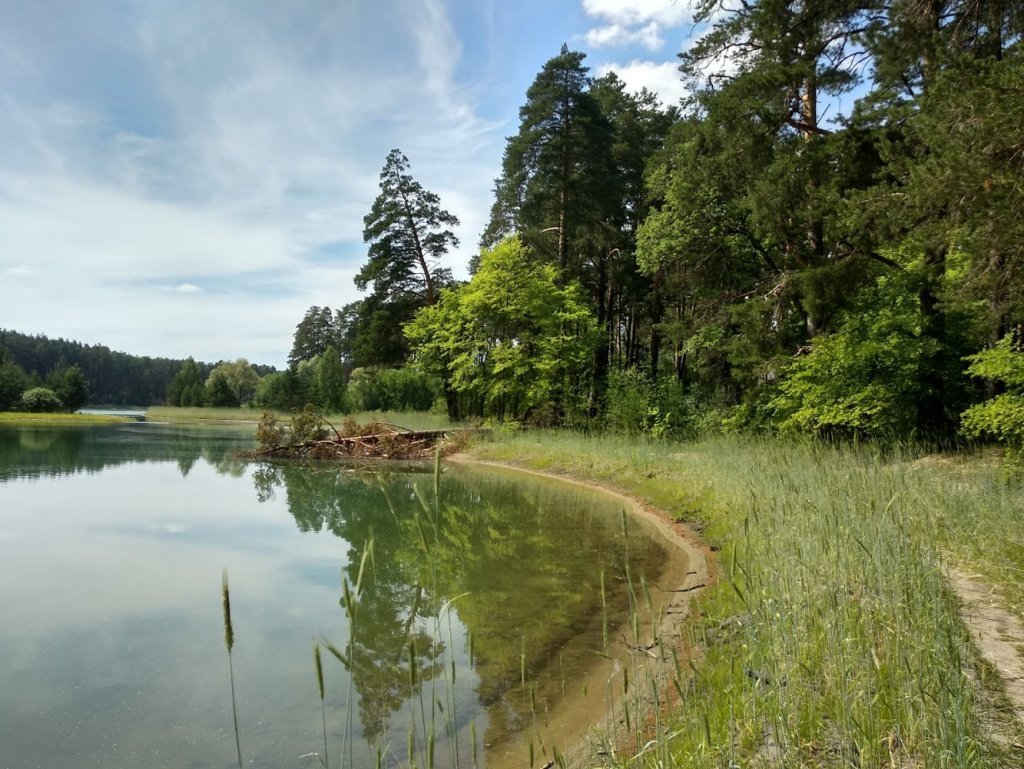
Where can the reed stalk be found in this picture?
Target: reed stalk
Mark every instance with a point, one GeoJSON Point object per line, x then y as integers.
{"type": "Point", "coordinates": [229, 642]}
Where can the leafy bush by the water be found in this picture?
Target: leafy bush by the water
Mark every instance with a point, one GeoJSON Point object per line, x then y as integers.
{"type": "Point", "coordinates": [40, 399]}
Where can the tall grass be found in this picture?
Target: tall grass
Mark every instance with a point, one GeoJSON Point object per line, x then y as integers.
{"type": "Point", "coordinates": [832, 638]}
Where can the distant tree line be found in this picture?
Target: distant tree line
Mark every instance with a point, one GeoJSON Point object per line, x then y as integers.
{"type": "Point", "coordinates": [97, 375]}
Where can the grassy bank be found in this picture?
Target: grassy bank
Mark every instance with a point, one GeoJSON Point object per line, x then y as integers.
{"type": "Point", "coordinates": [831, 638]}
{"type": "Point", "coordinates": [59, 420]}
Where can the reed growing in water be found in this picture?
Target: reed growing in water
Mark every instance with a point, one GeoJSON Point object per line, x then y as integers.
{"type": "Point", "coordinates": [229, 643]}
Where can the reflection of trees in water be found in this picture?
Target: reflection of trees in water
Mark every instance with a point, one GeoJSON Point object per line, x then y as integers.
{"type": "Point", "coordinates": [390, 640]}
{"type": "Point", "coordinates": [34, 452]}
{"type": "Point", "coordinates": [525, 558]}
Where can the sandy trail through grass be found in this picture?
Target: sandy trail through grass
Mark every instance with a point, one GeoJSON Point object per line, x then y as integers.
{"type": "Point", "coordinates": [998, 634]}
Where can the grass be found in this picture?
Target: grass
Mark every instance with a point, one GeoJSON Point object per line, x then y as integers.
{"type": "Point", "coordinates": [59, 420]}
{"type": "Point", "coordinates": [831, 637]}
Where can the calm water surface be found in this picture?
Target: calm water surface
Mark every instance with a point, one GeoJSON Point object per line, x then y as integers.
{"type": "Point", "coordinates": [480, 610]}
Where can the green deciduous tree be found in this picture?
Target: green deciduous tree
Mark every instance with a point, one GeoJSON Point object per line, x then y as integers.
{"type": "Point", "coordinates": [512, 343]}
{"type": "Point", "coordinates": [330, 377]}
{"type": "Point", "coordinates": [1000, 417]}
{"type": "Point", "coordinates": [70, 386]}
{"type": "Point", "coordinates": [39, 400]}
{"type": "Point", "coordinates": [231, 383]}
{"type": "Point", "coordinates": [864, 378]}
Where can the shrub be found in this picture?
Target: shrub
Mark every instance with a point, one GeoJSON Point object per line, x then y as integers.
{"type": "Point", "coordinates": [406, 389]}
{"type": "Point", "coordinates": [630, 402]}
{"type": "Point", "coordinates": [1001, 417]}
{"type": "Point", "coordinates": [40, 400]}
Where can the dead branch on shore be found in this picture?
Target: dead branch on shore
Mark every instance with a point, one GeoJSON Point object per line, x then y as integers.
{"type": "Point", "coordinates": [310, 436]}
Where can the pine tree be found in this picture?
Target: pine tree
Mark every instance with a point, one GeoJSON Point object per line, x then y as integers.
{"type": "Point", "coordinates": [409, 233]}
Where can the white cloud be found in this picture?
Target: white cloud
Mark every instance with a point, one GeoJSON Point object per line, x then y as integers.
{"type": "Point", "coordinates": [229, 149]}
{"type": "Point", "coordinates": [669, 13]}
{"type": "Point", "coordinates": [635, 22]}
{"type": "Point", "coordinates": [662, 78]}
{"type": "Point", "coordinates": [648, 36]}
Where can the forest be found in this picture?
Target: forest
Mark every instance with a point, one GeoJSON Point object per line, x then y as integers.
{"type": "Point", "coordinates": [825, 237]}
{"type": "Point", "coordinates": [64, 375]}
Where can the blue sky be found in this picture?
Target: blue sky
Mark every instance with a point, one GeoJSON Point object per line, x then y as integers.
{"type": "Point", "coordinates": [187, 178]}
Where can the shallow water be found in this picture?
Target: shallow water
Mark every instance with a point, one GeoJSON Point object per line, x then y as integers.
{"type": "Point", "coordinates": [480, 609]}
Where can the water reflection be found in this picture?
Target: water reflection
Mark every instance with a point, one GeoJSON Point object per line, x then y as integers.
{"type": "Point", "coordinates": [482, 604]}
{"type": "Point", "coordinates": [530, 565]}
{"type": "Point", "coordinates": [48, 452]}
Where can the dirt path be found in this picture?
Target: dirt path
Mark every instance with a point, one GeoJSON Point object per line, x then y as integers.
{"type": "Point", "coordinates": [998, 634]}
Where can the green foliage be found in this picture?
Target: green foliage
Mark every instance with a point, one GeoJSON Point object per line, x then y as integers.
{"type": "Point", "coordinates": [318, 330]}
{"type": "Point", "coordinates": [186, 388]}
{"type": "Point", "coordinates": [362, 393]}
{"type": "Point", "coordinates": [40, 400]}
{"type": "Point", "coordinates": [281, 390]}
{"type": "Point", "coordinates": [864, 379]}
{"type": "Point", "coordinates": [218, 392]}
{"type": "Point", "coordinates": [1001, 417]}
{"type": "Point", "coordinates": [634, 405]}
{"type": "Point", "coordinates": [397, 389]}
{"type": "Point", "coordinates": [630, 402]}
{"type": "Point", "coordinates": [510, 342]}
{"type": "Point", "coordinates": [70, 386]}
{"type": "Point", "coordinates": [406, 389]}
{"type": "Point", "coordinates": [330, 379]}
{"type": "Point", "coordinates": [232, 384]}
{"type": "Point", "coordinates": [1003, 362]}
{"type": "Point", "coordinates": [13, 382]}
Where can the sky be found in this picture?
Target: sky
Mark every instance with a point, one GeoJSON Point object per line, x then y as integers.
{"type": "Point", "coordinates": [187, 178]}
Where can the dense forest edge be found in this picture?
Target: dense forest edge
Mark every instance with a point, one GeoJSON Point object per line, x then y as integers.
{"type": "Point", "coordinates": [764, 257]}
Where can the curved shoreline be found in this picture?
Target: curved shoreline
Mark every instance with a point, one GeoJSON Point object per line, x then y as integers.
{"type": "Point", "coordinates": [664, 634]}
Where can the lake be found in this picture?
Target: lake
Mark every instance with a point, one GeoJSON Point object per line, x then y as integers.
{"type": "Point", "coordinates": [480, 605]}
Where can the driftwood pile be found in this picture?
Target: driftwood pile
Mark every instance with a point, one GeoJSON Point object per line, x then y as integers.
{"type": "Point", "coordinates": [321, 440]}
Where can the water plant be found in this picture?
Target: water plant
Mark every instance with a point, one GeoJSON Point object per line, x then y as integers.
{"type": "Point", "coordinates": [229, 643]}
